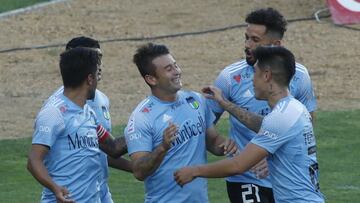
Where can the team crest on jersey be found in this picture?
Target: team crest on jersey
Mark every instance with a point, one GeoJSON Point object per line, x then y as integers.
{"type": "Point", "coordinates": [106, 113]}
{"type": "Point", "coordinates": [192, 102]}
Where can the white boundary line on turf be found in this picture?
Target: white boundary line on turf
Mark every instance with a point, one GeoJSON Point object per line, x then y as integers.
{"type": "Point", "coordinates": [29, 8]}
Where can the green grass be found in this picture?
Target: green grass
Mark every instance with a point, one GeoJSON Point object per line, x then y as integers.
{"type": "Point", "coordinates": [338, 144]}
{"type": "Point", "coordinates": [7, 5]}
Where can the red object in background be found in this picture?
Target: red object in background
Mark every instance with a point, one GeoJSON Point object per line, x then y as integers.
{"type": "Point", "coordinates": [345, 11]}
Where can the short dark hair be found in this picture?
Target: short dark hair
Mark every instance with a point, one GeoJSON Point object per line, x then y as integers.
{"type": "Point", "coordinates": [82, 41]}
{"type": "Point", "coordinates": [274, 22]}
{"type": "Point", "coordinates": [77, 63]}
{"type": "Point", "coordinates": [279, 60]}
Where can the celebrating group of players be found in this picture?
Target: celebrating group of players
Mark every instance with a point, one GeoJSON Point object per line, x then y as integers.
{"type": "Point", "coordinates": [271, 148]}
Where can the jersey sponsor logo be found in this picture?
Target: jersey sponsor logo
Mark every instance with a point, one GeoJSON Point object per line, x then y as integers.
{"type": "Point", "coordinates": [268, 134]}
{"type": "Point", "coordinates": [81, 142]}
{"type": "Point", "coordinates": [309, 138]}
{"type": "Point", "coordinates": [134, 136]}
{"type": "Point", "coordinates": [237, 78]}
{"type": "Point", "coordinates": [106, 113]}
{"type": "Point", "coordinates": [189, 129]}
{"type": "Point", "coordinates": [192, 102]}
{"type": "Point", "coordinates": [131, 126]}
{"type": "Point", "coordinates": [45, 129]}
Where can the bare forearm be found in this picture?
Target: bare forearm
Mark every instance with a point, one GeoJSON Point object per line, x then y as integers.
{"type": "Point", "coordinates": [146, 165]}
{"type": "Point", "coordinates": [40, 173]}
{"type": "Point", "coordinates": [114, 147]}
{"type": "Point", "coordinates": [213, 145]}
{"type": "Point", "coordinates": [120, 163]}
{"type": "Point", "coordinates": [249, 119]}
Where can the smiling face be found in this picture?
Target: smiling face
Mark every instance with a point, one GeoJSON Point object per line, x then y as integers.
{"type": "Point", "coordinates": [167, 79]}
{"type": "Point", "coordinates": [256, 35]}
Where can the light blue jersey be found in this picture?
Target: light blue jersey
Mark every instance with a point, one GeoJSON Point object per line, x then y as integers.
{"type": "Point", "coordinates": [144, 133]}
{"type": "Point", "coordinates": [101, 106]}
{"type": "Point", "coordinates": [73, 160]}
{"type": "Point", "coordinates": [287, 134]}
{"type": "Point", "coordinates": [236, 83]}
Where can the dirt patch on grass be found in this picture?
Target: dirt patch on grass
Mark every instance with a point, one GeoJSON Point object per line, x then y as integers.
{"type": "Point", "coordinates": [27, 78]}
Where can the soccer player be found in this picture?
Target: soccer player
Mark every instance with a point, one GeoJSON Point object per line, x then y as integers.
{"type": "Point", "coordinates": [101, 105]}
{"type": "Point", "coordinates": [64, 155]}
{"type": "Point", "coordinates": [286, 134]}
{"type": "Point", "coordinates": [265, 27]}
{"type": "Point", "coordinates": [171, 128]}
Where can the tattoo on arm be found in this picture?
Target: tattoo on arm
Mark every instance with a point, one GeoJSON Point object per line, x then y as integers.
{"type": "Point", "coordinates": [249, 119]}
{"type": "Point", "coordinates": [146, 165]}
{"type": "Point", "coordinates": [114, 147]}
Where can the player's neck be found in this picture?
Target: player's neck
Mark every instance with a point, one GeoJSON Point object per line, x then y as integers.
{"type": "Point", "coordinates": [276, 95]}
{"type": "Point", "coordinates": [76, 95]}
{"type": "Point", "coordinates": [163, 96]}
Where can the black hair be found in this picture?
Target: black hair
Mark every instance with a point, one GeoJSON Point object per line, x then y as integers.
{"type": "Point", "coordinates": [274, 22]}
{"type": "Point", "coordinates": [279, 60]}
{"type": "Point", "coordinates": [77, 63]}
{"type": "Point", "coordinates": [145, 55]}
{"type": "Point", "coordinates": [82, 42]}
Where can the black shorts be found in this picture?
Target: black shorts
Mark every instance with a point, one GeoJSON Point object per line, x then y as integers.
{"type": "Point", "coordinates": [249, 193]}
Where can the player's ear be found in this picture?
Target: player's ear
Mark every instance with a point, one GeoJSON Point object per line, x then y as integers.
{"type": "Point", "coordinates": [90, 79]}
{"type": "Point", "coordinates": [151, 80]}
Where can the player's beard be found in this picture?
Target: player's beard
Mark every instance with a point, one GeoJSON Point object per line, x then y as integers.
{"type": "Point", "coordinates": [249, 57]}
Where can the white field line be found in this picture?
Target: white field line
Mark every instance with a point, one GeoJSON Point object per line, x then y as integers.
{"type": "Point", "coordinates": [29, 8]}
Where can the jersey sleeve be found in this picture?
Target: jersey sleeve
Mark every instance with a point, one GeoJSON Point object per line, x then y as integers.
{"type": "Point", "coordinates": [223, 83]}
{"type": "Point", "coordinates": [305, 93]}
{"type": "Point", "coordinates": [48, 126]}
{"type": "Point", "coordinates": [138, 135]}
{"type": "Point", "coordinates": [273, 133]}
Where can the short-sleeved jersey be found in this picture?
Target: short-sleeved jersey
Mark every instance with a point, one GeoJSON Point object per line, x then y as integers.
{"type": "Point", "coordinates": [144, 132]}
{"type": "Point", "coordinates": [73, 160]}
{"type": "Point", "coordinates": [287, 134]}
{"type": "Point", "coordinates": [101, 105]}
{"type": "Point", "coordinates": [236, 83]}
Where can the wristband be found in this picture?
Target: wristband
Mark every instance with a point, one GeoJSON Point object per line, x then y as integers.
{"type": "Point", "coordinates": [102, 133]}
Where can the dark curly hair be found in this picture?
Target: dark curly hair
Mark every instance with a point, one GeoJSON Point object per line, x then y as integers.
{"type": "Point", "coordinates": [274, 22]}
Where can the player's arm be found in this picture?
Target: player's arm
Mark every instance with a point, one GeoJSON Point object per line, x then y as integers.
{"type": "Point", "coordinates": [219, 145]}
{"type": "Point", "coordinates": [37, 168]}
{"type": "Point", "coordinates": [120, 163]}
{"type": "Point", "coordinates": [145, 163]}
{"type": "Point", "coordinates": [251, 155]}
{"type": "Point", "coordinates": [251, 120]}
{"type": "Point", "coordinates": [114, 147]}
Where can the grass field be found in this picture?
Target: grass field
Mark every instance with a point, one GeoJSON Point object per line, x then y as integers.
{"type": "Point", "coordinates": [7, 5]}
{"type": "Point", "coordinates": [338, 144]}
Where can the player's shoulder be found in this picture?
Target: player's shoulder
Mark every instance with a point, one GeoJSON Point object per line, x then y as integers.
{"type": "Point", "coordinates": [236, 67]}
{"type": "Point", "coordinates": [101, 94]}
{"type": "Point", "coordinates": [100, 97]}
{"type": "Point", "coordinates": [286, 112]}
{"type": "Point", "coordinates": [55, 107]}
{"type": "Point", "coordinates": [301, 70]}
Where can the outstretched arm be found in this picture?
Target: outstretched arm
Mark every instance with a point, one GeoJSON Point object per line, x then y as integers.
{"type": "Point", "coordinates": [114, 147]}
{"type": "Point", "coordinates": [251, 155]}
{"type": "Point", "coordinates": [120, 163]}
{"type": "Point", "coordinates": [37, 168]}
{"type": "Point", "coordinates": [251, 120]}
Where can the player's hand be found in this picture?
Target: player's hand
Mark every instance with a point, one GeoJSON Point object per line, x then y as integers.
{"type": "Point", "coordinates": [169, 135]}
{"type": "Point", "coordinates": [63, 195]}
{"type": "Point", "coordinates": [261, 169]}
{"type": "Point", "coordinates": [212, 92]}
{"type": "Point", "coordinates": [184, 175]}
{"type": "Point", "coordinates": [229, 147]}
